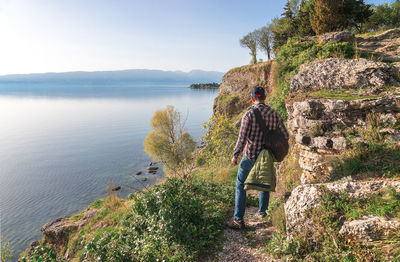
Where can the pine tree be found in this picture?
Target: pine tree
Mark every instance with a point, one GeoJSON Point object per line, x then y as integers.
{"type": "Point", "coordinates": [327, 17]}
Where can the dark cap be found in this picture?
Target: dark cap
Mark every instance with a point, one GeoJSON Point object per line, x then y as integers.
{"type": "Point", "coordinates": [258, 92]}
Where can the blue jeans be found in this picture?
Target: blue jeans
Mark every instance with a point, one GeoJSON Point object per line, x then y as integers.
{"type": "Point", "coordinates": [240, 196]}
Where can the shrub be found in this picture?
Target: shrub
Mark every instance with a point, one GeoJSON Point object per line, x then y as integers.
{"type": "Point", "coordinates": [169, 143]}
{"type": "Point", "coordinates": [219, 141]}
{"type": "Point", "coordinates": [178, 220]}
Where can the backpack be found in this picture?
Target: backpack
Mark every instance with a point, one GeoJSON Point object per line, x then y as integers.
{"type": "Point", "coordinates": [274, 140]}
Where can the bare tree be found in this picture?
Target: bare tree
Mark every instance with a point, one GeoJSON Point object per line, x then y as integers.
{"type": "Point", "coordinates": [250, 41]}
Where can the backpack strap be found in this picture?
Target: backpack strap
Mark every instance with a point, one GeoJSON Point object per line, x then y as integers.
{"type": "Point", "coordinates": [261, 124]}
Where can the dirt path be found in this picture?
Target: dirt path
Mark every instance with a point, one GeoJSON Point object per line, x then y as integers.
{"type": "Point", "coordinates": [246, 245]}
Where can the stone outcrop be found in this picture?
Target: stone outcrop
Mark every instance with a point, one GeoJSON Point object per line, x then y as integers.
{"type": "Point", "coordinates": [319, 125]}
{"type": "Point", "coordinates": [306, 197]}
{"type": "Point", "coordinates": [369, 228]}
{"type": "Point", "coordinates": [343, 36]}
{"type": "Point", "coordinates": [337, 73]}
{"type": "Point", "coordinates": [56, 232]}
{"type": "Point", "coordinates": [234, 92]}
{"type": "Point", "coordinates": [385, 46]}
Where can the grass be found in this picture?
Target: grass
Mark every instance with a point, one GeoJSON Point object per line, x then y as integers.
{"type": "Point", "coordinates": [340, 95]}
{"type": "Point", "coordinates": [374, 33]}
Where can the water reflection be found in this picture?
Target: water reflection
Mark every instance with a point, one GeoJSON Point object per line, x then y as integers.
{"type": "Point", "coordinates": [58, 152]}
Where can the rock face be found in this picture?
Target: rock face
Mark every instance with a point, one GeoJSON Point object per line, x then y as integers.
{"type": "Point", "coordinates": [234, 92]}
{"type": "Point", "coordinates": [343, 36]}
{"type": "Point", "coordinates": [56, 232]}
{"type": "Point", "coordinates": [319, 125]}
{"type": "Point", "coordinates": [384, 46]}
{"type": "Point", "coordinates": [238, 79]}
{"type": "Point", "coordinates": [369, 228]}
{"type": "Point", "coordinates": [305, 197]}
{"type": "Point", "coordinates": [337, 73]}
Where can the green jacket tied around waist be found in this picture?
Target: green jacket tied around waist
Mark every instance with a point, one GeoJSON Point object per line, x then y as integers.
{"type": "Point", "coordinates": [262, 176]}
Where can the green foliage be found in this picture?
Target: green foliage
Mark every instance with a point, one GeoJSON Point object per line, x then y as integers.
{"type": "Point", "coordinates": [386, 15]}
{"type": "Point", "coordinates": [264, 39]}
{"type": "Point", "coordinates": [6, 251]}
{"type": "Point", "coordinates": [250, 41]}
{"type": "Point", "coordinates": [294, 54]}
{"type": "Point", "coordinates": [178, 220]}
{"type": "Point", "coordinates": [219, 141]}
{"type": "Point", "coordinates": [326, 16]}
{"type": "Point", "coordinates": [41, 254]}
{"type": "Point", "coordinates": [169, 143]}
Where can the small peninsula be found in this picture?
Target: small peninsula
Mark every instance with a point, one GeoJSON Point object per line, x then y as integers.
{"type": "Point", "coordinates": [205, 86]}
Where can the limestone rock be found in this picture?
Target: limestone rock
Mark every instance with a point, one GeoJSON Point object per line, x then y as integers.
{"type": "Point", "coordinates": [338, 37]}
{"type": "Point", "coordinates": [337, 73]}
{"type": "Point", "coordinates": [238, 79]}
{"type": "Point", "coordinates": [56, 232]}
{"type": "Point", "coordinates": [234, 92]}
{"type": "Point", "coordinates": [305, 197]}
{"type": "Point", "coordinates": [317, 125]}
{"type": "Point", "coordinates": [369, 228]}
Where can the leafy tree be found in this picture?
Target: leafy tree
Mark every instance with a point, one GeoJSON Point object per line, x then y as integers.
{"type": "Point", "coordinates": [264, 40]}
{"type": "Point", "coordinates": [303, 18]}
{"type": "Point", "coordinates": [327, 16]}
{"type": "Point", "coordinates": [250, 41]}
{"type": "Point", "coordinates": [169, 143]}
{"type": "Point", "coordinates": [355, 13]}
{"type": "Point", "coordinates": [384, 16]}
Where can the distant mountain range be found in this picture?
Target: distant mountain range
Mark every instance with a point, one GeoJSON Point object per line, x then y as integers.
{"type": "Point", "coordinates": [132, 75]}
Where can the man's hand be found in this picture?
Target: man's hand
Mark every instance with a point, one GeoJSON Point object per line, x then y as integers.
{"type": "Point", "coordinates": [234, 161]}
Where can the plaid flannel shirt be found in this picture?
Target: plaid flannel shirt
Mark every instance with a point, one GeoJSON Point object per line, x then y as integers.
{"type": "Point", "coordinates": [250, 139]}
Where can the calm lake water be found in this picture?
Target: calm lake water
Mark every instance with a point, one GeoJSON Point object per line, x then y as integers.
{"type": "Point", "coordinates": [59, 149]}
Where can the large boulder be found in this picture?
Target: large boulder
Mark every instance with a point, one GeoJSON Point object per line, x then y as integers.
{"type": "Point", "coordinates": [338, 73]}
{"type": "Point", "coordinates": [306, 197]}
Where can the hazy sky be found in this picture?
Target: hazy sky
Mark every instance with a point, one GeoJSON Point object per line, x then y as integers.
{"type": "Point", "coordinates": [71, 35]}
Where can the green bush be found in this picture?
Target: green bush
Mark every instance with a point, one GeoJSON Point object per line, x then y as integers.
{"type": "Point", "coordinates": [296, 53]}
{"type": "Point", "coordinates": [219, 141]}
{"type": "Point", "coordinates": [178, 220]}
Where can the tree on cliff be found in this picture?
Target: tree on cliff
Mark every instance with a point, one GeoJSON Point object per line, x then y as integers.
{"type": "Point", "coordinates": [326, 17]}
{"type": "Point", "coordinates": [250, 41]}
{"type": "Point", "coordinates": [354, 14]}
{"type": "Point", "coordinates": [264, 40]}
{"type": "Point", "coordinates": [169, 143]}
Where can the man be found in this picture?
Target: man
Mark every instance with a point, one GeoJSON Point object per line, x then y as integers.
{"type": "Point", "coordinates": [250, 141]}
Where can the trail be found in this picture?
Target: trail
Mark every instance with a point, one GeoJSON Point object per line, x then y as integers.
{"type": "Point", "coordinates": [247, 245]}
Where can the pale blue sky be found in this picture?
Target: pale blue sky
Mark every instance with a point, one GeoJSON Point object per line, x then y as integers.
{"type": "Point", "coordinates": [70, 35]}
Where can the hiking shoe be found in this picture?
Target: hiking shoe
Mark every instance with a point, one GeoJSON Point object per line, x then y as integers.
{"type": "Point", "coordinates": [236, 224]}
{"type": "Point", "coordinates": [261, 216]}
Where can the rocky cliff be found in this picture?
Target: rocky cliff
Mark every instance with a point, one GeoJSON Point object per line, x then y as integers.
{"type": "Point", "coordinates": [234, 92]}
{"type": "Point", "coordinates": [344, 120]}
